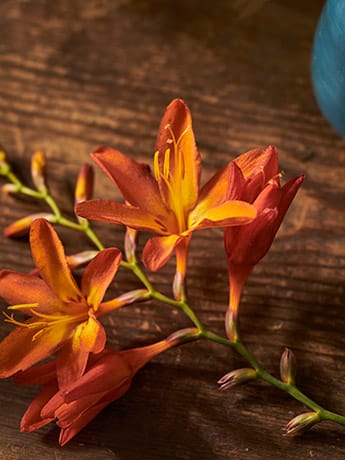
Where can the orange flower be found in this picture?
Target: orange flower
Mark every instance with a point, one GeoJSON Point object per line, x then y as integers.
{"type": "Point", "coordinates": [255, 178]}
{"type": "Point", "coordinates": [107, 378]}
{"type": "Point", "coordinates": [170, 201]}
{"type": "Point", "coordinates": [63, 316]}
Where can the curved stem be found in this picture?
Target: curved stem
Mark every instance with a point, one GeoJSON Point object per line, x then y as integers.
{"type": "Point", "coordinates": [289, 388]}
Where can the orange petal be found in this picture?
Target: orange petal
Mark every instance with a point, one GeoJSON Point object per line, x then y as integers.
{"type": "Point", "coordinates": [158, 250]}
{"type": "Point", "coordinates": [133, 179]}
{"type": "Point", "coordinates": [99, 274]}
{"type": "Point", "coordinates": [19, 288]}
{"type": "Point", "coordinates": [117, 213]}
{"type": "Point", "coordinates": [182, 165]}
{"type": "Point", "coordinates": [227, 214]}
{"type": "Point", "coordinates": [71, 360]}
{"type": "Point", "coordinates": [226, 184]}
{"type": "Point", "coordinates": [19, 350]}
{"type": "Point", "coordinates": [49, 256]}
{"type": "Point", "coordinates": [93, 336]}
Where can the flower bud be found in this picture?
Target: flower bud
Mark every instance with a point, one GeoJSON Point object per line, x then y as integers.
{"type": "Point", "coordinates": [184, 335]}
{"type": "Point", "coordinates": [10, 188]}
{"type": "Point", "coordinates": [303, 422]}
{"type": "Point", "coordinates": [84, 185]}
{"type": "Point", "coordinates": [130, 244]}
{"type": "Point", "coordinates": [38, 169]}
{"type": "Point", "coordinates": [288, 367]}
{"type": "Point", "coordinates": [22, 226]}
{"type": "Point", "coordinates": [237, 377]}
{"type": "Point", "coordinates": [80, 259]}
{"type": "Point", "coordinates": [4, 166]}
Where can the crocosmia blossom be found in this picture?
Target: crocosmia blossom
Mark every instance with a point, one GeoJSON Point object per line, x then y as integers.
{"type": "Point", "coordinates": [168, 202]}
{"type": "Point", "coordinates": [254, 178]}
{"type": "Point", "coordinates": [63, 317]}
{"type": "Point", "coordinates": [108, 376]}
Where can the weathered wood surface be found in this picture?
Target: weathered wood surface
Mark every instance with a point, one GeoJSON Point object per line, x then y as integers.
{"type": "Point", "coordinates": [74, 75]}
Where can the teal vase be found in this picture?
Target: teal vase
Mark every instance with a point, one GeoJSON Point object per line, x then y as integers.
{"type": "Point", "coordinates": [328, 64]}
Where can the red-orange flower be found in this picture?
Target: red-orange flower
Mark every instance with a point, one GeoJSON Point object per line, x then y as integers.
{"type": "Point", "coordinates": [63, 316]}
{"type": "Point", "coordinates": [256, 179]}
{"type": "Point", "coordinates": [108, 376]}
{"type": "Point", "coordinates": [170, 201]}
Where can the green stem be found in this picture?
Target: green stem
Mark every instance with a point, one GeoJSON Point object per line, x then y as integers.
{"type": "Point", "coordinates": [289, 388]}
{"type": "Point", "coordinates": [154, 294]}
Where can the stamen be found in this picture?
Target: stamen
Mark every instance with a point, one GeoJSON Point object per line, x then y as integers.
{"type": "Point", "coordinates": [166, 163]}
{"type": "Point", "coordinates": [24, 306]}
{"type": "Point", "coordinates": [156, 165]}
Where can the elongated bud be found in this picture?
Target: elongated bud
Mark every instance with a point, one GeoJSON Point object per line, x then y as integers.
{"type": "Point", "coordinates": [237, 377]}
{"type": "Point", "coordinates": [184, 336]}
{"type": "Point", "coordinates": [10, 188]}
{"type": "Point", "coordinates": [84, 185]}
{"type": "Point", "coordinates": [22, 226]}
{"type": "Point", "coordinates": [4, 166]}
{"type": "Point", "coordinates": [288, 367]}
{"type": "Point", "coordinates": [178, 286]}
{"type": "Point", "coordinates": [303, 422]}
{"type": "Point", "coordinates": [38, 169]}
{"type": "Point", "coordinates": [130, 244]}
{"type": "Point", "coordinates": [80, 258]}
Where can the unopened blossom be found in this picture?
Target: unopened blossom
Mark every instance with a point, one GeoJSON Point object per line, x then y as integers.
{"type": "Point", "coordinates": [107, 378]}
{"type": "Point", "coordinates": [254, 178]}
{"type": "Point", "coordinates": [63, 317]}
{"type": "Point", "coordinates": [168, 202]}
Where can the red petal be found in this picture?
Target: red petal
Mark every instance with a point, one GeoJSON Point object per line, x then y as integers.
{"type": "Point", "coordinates": [32, 419]}
{"type": "Point", "coordinates": [49, 256]}
{"type": "Point", "coordinates": [99, 274]}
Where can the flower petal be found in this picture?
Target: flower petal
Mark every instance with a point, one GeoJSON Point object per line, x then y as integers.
{"type": "Point", "coordinates": [99, 274]}
{"type": "Point", "coordinates": [32, 419]}
{"type": "Point", "coordinates": [133, 179]}
{"type": "Point", "coordinates": [37, 375]}
{"type": "Point", "coordinates": [258, 161]}
{"type": "Point", "coordinates": [226, 184]}
{"type": "Point", "coordinates": [19, 288]}
{"type": "Point", "coordinates": [71, 361]}
{"type": "Point", "coordinates": [181, 167]}
{"type": "Point", "coordinates": [248, 244]}
{"type": "Point", "coordinates": [49, 256]}
{"type": "Point", "coordinates": [117, 213]}
{"type": "Point", "coordinates": [109, 372]}
{"type": "Point", "coordinates": [20, 350]}
{"type": "Point", "coordinates": [229, 213]}
{"type": "Point", "coordinates": [158, 250]}
{"type": "Point", "coordinates": [93, 337]}
{"type": "Point", "coordinates": [289, 191]}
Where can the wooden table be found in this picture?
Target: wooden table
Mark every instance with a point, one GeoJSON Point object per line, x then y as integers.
{"type": "Point", "coordinates": [74, 75]}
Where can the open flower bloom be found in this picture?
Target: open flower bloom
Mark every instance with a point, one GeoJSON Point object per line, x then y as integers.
{"type": "Point", "coordinates": [169, 202]}
{"type": "Point", "coordinates": [108, 376]}
{"type": "Point", "coordinates": [63, 316]}
{"type": "Point", "coordinates": [256, 179]}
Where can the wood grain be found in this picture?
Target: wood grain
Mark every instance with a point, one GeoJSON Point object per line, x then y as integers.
{"type": "Point", "coordinates": [74, 75]}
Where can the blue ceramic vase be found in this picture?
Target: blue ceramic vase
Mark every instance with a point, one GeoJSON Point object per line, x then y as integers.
{"type": "Point", "coordinates": [328, 64]}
